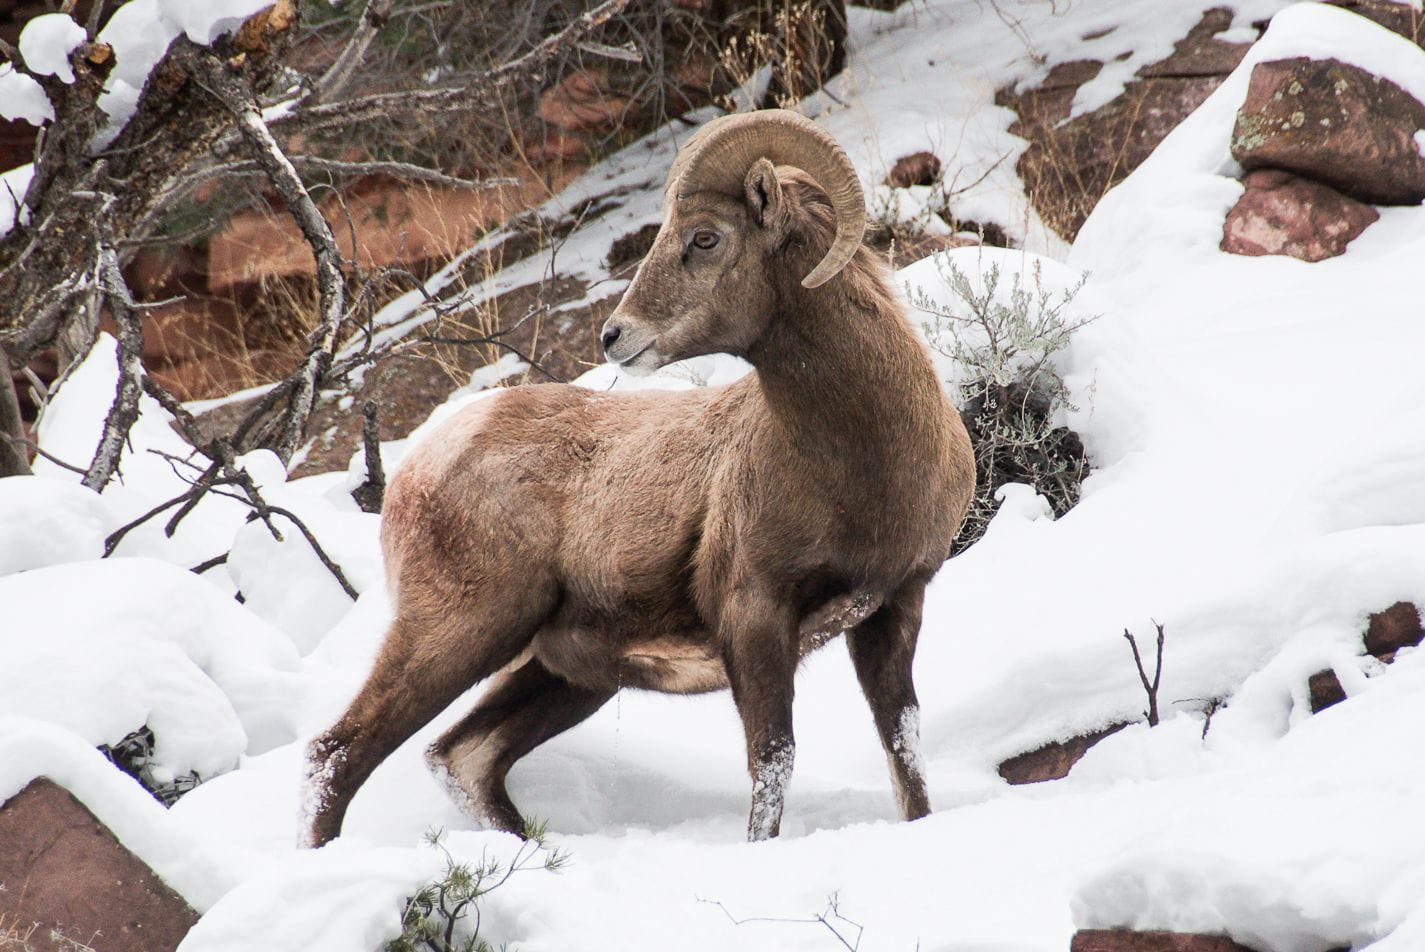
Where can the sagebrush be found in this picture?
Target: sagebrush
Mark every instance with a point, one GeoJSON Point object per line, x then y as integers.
{"type": "Point", "coordinates": [1010, 394]}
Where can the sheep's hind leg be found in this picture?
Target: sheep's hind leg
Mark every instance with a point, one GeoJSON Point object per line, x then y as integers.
{"type": "Point", "coordinates": [882, 651]}
{"type": "Point", "coordinates": [425, 663]}
{"type": "Point", "coordinates": [521, 710]}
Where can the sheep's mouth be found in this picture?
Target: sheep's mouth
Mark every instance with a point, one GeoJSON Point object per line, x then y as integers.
{"type": "Point", "coordinates": [631, 363]}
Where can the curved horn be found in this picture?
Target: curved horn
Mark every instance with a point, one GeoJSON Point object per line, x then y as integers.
{"type": "Point", "coordinates": [719, 154]}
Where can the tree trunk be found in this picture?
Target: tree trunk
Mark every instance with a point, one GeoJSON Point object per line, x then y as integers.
{"type": "Point", "coordinates": [14, 459]}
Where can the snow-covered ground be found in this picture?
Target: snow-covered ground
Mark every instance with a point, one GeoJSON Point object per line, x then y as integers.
{"type": "Point", "coordinates": [1256, 429]}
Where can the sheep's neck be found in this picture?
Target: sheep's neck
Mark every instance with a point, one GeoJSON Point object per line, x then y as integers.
{"type": "Point", "coordinates": [843, 378]}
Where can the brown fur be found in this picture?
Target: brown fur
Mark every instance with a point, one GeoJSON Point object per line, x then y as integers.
{"type": "Point", "coordinates": [674, 541]}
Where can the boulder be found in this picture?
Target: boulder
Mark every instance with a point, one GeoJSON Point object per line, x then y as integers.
{"type": "Point", "coordinates": [1053, 760]}
{"type": "Point", "coordinates": [1283, 214]}
{"type": "Point", "coordinates": [1125, 940]}
{"type": "Point", "coordinates": [1396, 627]}
{"type": "Point", "coordinates": [1400, 18]}
{"type": "Point", "coordinates": [1324, 690]}
{"type": "Point", "coordinates": [1335, 123]}
{"type": "Point", "coordinates": [918, 168]}
{"type": "Point", "coordinates": [65, 871]}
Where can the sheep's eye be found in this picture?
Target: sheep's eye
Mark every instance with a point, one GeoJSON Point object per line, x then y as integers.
{"type": "Point", "coordinates": [705, 239]}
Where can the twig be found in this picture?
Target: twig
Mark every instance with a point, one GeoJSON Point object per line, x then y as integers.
{"type": "Point", "coordinates": [1150, 687]}
{"type": "Point", "coordinates": [214, 562]}
{"type": "Point", "coordinates": [321, 554]}
{"type": "Point", "coordinates": [43, 453]}
{"type": "Point", "coordinates": [372, 491]}
{"type": "Point", "coordinates": [112, 542]}
{"type": "Point", "coordinates": [832, 911]}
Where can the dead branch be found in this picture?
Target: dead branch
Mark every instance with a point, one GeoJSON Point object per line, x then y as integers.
{"type": "Point", "coordinates": [321, 554]}
{"type": "Point", "coordinates": [1151, 688]}
{"type": "Point", "coordinates": [222, 471]}
{"type": "Point", "coordinates": [125, 409]}
{"type": "Point", "coordinates": [331, 284]}
{"type": "Point", "coordinates": [372, 491]}
{"type": "Point", "coordinates": [373, 20]}
{"type": "Point", "coordinates": [403, 170]}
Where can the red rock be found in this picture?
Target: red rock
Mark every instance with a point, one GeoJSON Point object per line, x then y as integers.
{"type": "Point", "coordinates": [918, 168]}
{"type": "Point", "coordinates": [1396, 627]}
{"type": "Point", "coordinates": [1124, 940]}
{"type": "Point", "coordinates": [1335, 123]}
{"type": "Point", "coordinates": [1325, 690]}
{"type": "Point", "coordinates": [1282, 214]}
{"type": "Point", "coordinates": [580, 102]}
{"type": "Point", "coordinates": [1053, 760]}
{"type": "Point", "coordinates": [1071, 163]}
{"type": "Point", "coordinates": [1399, 18]}
{"type": "Point", "coordinates": [64, 870]}
{"type": "Point", "coordinates": [1200, 53]}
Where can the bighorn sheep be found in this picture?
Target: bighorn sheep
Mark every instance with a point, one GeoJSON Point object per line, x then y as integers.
{"type": "Point", "coordinates": [572, 542]}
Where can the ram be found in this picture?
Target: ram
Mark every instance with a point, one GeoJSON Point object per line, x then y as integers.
{"type": "Point", "coordinates": [566, 543]}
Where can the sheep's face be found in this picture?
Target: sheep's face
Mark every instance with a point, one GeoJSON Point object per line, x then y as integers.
{"type": "Point", "coordinates": [704, 287]}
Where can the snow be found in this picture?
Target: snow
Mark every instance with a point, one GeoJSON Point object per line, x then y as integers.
{"type": "Point", "coordinates": [46, 42]}
{"type": "Point", "coordinates": [48, 522]}
{"type": "Point", "coordinates": [208, 678]}
{"type": "Point", "coordinates": [206, 20]}
{"type": "Point", "coordinates": [1257, 481]}
{"type": "Point", "coordinates": [21, 98]}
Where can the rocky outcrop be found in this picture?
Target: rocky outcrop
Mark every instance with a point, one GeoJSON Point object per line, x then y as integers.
{"type": "Point", "coordinates": [1070, 165]}
{"type": "Point", "coordinates": [1335, 123]}
{"type": "Point", "coordinates": [1053, 760]}
{"type": "Point", "coordinates": [66, 872]}
{"type": "Point", "coordinates": [1398, 17]}
{"type": "Point", "coordinates": [1283, 214]}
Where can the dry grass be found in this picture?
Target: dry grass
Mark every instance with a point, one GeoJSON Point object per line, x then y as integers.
{"type": "Point", "coordinates": [19, 935]}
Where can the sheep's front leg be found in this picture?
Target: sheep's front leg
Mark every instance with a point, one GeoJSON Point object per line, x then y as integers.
{"type": "Point", "coordinates": [882, 651]}
{"type": "Point", "coordinates": [761, 659]}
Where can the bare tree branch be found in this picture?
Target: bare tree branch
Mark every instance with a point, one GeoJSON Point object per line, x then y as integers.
{"type": "Point", "coordinates": [125, 408]}
{"type": "Point", "coordinates": [331, 284]}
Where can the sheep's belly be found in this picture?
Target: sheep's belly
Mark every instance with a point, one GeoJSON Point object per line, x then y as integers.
{"type": "Point", "coordinates": [674, 665]}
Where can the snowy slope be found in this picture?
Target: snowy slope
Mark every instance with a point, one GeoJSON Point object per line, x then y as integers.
{"type": "Point", "coordinates": [1254, 424]}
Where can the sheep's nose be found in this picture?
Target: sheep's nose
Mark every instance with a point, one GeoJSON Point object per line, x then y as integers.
{"type": "Point", "coordinates": [611, 336]}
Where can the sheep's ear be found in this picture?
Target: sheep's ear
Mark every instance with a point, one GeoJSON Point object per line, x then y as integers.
{"type": "Point", "coordinates": [764, 194]}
